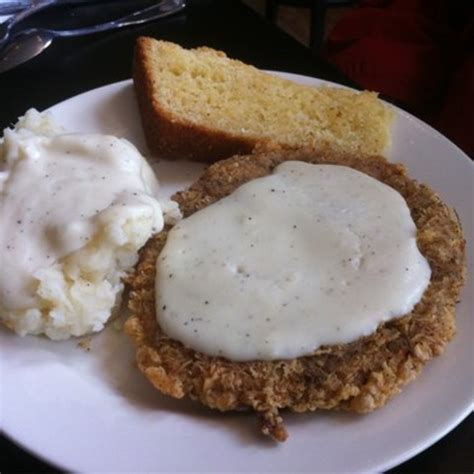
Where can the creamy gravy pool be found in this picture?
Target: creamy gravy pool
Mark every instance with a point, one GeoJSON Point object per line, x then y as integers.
{"type": "Point", "coordinates": [307, 256]}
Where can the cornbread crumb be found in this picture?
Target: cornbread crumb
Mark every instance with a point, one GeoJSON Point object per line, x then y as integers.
{"type": "Point", "coordinates": [117, 325]}
{"type": "Point", "coordinates": [201, 105]}
{"type": "Point", "coordinates": [85, 343]}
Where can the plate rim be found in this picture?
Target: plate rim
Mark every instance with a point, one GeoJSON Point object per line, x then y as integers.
{"type": "Point", "coordinates": [405, 455]}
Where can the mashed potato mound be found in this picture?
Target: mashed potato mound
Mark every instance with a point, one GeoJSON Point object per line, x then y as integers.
{"type": "Point", "coordinates": [77, 292]}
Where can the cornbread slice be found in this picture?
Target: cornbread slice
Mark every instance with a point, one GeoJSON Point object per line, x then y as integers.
{"type": "Point", "coordinates": [358, 377]}
{"type": "Point", "coordinates": [201, 105]}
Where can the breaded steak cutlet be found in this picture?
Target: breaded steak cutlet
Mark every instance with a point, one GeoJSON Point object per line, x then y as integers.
{"type": "Point", "coordinates": [357, 377]}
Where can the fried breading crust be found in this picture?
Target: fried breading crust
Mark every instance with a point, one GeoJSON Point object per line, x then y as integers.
{"type": "Point", "coordinates": [357, 377]}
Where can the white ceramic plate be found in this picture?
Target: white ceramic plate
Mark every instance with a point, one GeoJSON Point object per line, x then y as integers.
{"type": "Point", "coordinates": [93, 411]}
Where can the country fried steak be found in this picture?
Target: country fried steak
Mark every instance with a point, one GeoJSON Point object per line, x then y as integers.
{"type": "Point", "coordinates": [357, 377]}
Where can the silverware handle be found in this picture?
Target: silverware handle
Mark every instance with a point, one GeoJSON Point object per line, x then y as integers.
{"type": "Point", "coordinates": [160, 10]}
{"type": "Point", "coordinates": [7, 8]}
{"type": "Point", "coordinates": [35, 7]}
{"type": "Point", "coordinates": [31, 7]}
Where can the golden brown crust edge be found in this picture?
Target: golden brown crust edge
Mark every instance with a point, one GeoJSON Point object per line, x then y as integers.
{"type": "Point", "coordinates": [166, 135]}
{"type": "Point", "coordinates": [357, 377]}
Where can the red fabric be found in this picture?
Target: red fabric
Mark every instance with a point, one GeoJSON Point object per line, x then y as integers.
{"type": "Point", "coordinates": [456, 119]}
{"type": "Point", "coordinates": [408, 51]}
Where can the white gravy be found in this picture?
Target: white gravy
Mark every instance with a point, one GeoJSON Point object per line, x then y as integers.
{"type": "Point", "coordinates": [55, 192]}
{"type": "Point", "coordinates": [308, 256]}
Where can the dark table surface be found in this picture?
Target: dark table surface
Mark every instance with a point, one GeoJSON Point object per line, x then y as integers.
{"type": "Point", "coordinates": [72, 66]}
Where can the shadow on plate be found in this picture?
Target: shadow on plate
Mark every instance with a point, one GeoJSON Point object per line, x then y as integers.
{"type": "Point", "coordinates": [117, 359]}
{"type": "Point", "coordinates": [120, 371]}
{"type": "Point", "coordinates": [110, 365]}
